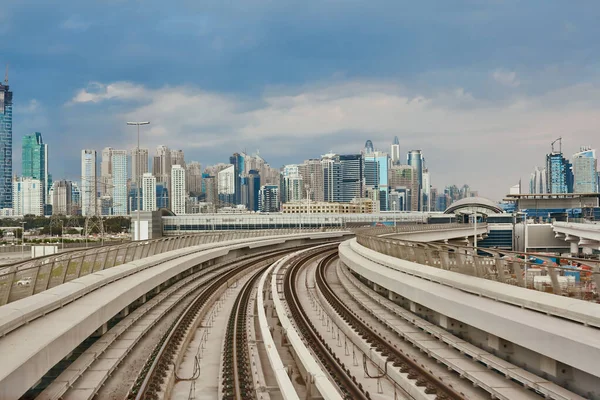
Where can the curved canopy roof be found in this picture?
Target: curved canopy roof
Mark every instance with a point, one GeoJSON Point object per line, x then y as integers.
{"type": "Point", "coordinates": [480, 204]}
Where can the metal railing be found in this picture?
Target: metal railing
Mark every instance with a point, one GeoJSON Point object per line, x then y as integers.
{"type": "Point", "coordinates": [580, 279]}
{"type": "Point", "coordinates": [26, 278]}
{"type": "Point", "coordinates": [409, 228]}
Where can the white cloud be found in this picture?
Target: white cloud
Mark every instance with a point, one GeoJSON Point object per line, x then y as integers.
{"type": "Point", "coordinates": [454, 129]}
{"type": "Point", "coordinates": [75, 23]}
{"type": "Point", "coordinates": [506, 78]}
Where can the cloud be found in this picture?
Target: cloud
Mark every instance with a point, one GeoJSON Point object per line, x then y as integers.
{"type": "Point", "coordinates": [96, 92]}
{"type": "Point", "coordinates": [506, 78]}
{"type": "Point", "coordinates": [75, 23]}
{"type": "Point", "coordinates": [455, 129]}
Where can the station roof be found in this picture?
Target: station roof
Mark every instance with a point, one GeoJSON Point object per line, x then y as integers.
{"type": "Point", "coordinates": [480, 204]}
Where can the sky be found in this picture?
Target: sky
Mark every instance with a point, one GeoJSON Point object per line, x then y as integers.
{"type": "Point", "coordinates": [481, 87]}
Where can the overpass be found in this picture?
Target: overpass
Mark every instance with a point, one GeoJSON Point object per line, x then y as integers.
{"type": "Point", "coordinates": [585, 236]}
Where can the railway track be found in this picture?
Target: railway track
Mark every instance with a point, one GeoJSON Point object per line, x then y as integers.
{"type": "Point", "coordinates": [151, 381]}
{"type": "Point", "coordinates": [237, 376]}
{"type": "Point", "coordinates": [132, 329]}
{"type": "Point", "coordinates": [394, 356]}
{"type": "Point", "coordinates": [348, 385]}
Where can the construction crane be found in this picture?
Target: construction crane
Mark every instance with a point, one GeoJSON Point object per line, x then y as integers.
{"type": "Point", "coordinates": [6, 76]}
{"type": "Point", "coordinates": [559, 140]}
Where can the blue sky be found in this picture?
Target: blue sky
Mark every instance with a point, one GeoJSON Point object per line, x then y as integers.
{"type": "Point", "coordinates": [482, 87]}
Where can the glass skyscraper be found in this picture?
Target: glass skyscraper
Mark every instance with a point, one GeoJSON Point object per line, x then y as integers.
{"type": "Point", "coordinates": [34, 160]}
{"type": "Point", "coordinates": [558, 174]}
{"type": "Point", "coordinates": [6, 106]}
{"type": "Point", "coordinates": [585, 171]}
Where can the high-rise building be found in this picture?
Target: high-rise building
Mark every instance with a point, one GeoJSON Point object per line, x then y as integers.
{"type": "Point", "coordinates": [105, 187]}
{"type": "Point", "coordinates": [558, 173]}
{"type": "Point", "coordinates": [178, 192]}
{"type": "Point", "coordinates": [292, 187]}
{"type": "Point", "coordinates": [62, 198]}
{"type": "Point", "coordinates": [426, 190]}
{"type": "Point", "coordinates": [161, 167]}
{"type": "Point", "coordinates": [395, 152]}
{"type": "Point", "coordinates": [28, 197]}
{"type": "Point", "coordinates": [193, 177]}
{"type": "Point", "coordinates": [268, 198]}
{"type": "Point", "coordinates": [369, 147]}
{"type": "Point", "coordinates": [149, 192]}
{"type": "Point", "coordinates": [311, 172]}
{"type": "Point", "coordinates": [139, 164]}
{"type": "Point", "coordinates": [6, 171]}
{"type": "Point", "coordinates": [162, 196]}
{"type": "Point", "coordinates": [119, 178]}
{"type": "Point", "coordinates": [88, 183]}
{"type": "Point", "coordinates": [403, 180]}
{"type": "Point", "coordinates": [381, 161]}
{"type": "Point", "coordinates": [34, 160]}
{"type": "Point", "coordinates": [211, 189]}
{"type": "Point", "coordinates": [226, 185]}
{"type": "Point", "coordinates": [415, 159]}
{"type": "Point", "coordinates": [177, 158]}
{"type": "Point", "coordinates": [585, 171]}
{"type": "Point", "coordinates": [537, 181]}
{"type": "Point", "coordinates": [238, 162]}
{"type": "Point", "coordinates": [253, 180]}
{"type": "Point", "coordinates": [343, 177]}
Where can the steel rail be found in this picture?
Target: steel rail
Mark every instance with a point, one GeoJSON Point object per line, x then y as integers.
{"type": "Point", "coordinates": [398, 359]}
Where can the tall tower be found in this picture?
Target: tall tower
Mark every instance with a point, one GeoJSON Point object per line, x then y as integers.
{"type": "Point", "coordinates": [585, 171]}
{"type": "Point", "coordinates": [88, 183]}
{"type": "Point", "coordinates": [149, 192]}
{"type": "Point", "coordinates": [369, 147]}
{"type": "Point", "coordinates": [139, 164]}
{"type": "Point", "coordinates": [395, 151]}
{"type": "Point", "coordinates": [415, 159]}
{"type": "Point", "coordinates": [34, 160]}
{"type": "Point", "coordinates": [178, 189]}
{"type": "Point", "coordinates": [106, 172]}
{"type": "Point", "coordinates": [119, 177]}
{"type": "Point", "coordinates": [6, 171]}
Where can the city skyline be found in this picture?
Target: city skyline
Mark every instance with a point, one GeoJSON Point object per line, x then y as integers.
{"type": "Point", "coordinates": [423, 73]}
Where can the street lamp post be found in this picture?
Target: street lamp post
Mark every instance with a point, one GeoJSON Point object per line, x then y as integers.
{"type": "Point", "coordinates": [62, 233]}
{"type": "Point", "coordinates": [138, 179]}
{"type": "Point", "coordinates": [394, 214]}
{"type": "Point", "coordinates": [23, 239]}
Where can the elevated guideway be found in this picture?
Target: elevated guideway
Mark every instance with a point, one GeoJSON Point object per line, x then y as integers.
{"type": "Point", "coordinates": [579, 235]}
{"type": "Point", "coordinates": [84, 306]}
{"type": "Point", "coordinates": [547, 341]}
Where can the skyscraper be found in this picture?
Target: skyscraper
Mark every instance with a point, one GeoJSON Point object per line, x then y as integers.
{"type": "Point", "coordinates": [537, 182]}
{"type": "Point", "coordinates": [226, 185]}
{"type": "Point", "coordinates": [149, 192]}
{"type": "Point", "coordinates": [178, 192]}
{"type": "Point", "coordinates": [34, 160]}
{"type": "Point", "coordinates": [238, 162]}
{"type": "Point", "coordinates": [253, 190]}
{"type": "Point", "coordinates": [585, 171]}
{"type": "Point", "coordinates": [292, 186]}
{"type": "Point", "coordinates": [119, 178]}
{"type": "Point", "coordinates": [177, 158]}
{"type": "Point", "coordinates": [139, 164]}
{"type": "Point", "coordinates": [415, 159]}
{"type": "Point", "coordinates": [395, 152]}
{"type": "Point", "coordinates": [382, 165]}
{"type": "Point", "coordinates": [106, 172]}
{"type": "Point", "coordinates": [369, 147]}
{"type": "Point", "coordinates": [6, 108]}
{"type": "Point", "coordinates": [558, 170]}
{"type": "Point", "coordinates": [88, 183]}
{"type": "Point", "coordinates": [311, 172]}
{"type": "Point", "coordinates": [405, 187]}
{"type": "Point", "coordinates": [28, 195]}
{"type": "Point", "coordinates": [62, 198]}
{"type": "Point", "coordinates": [193, 178]}
{"type": "Point", "coordinates": [268, 198]}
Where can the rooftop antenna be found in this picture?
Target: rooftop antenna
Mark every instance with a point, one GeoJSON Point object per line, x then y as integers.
{"type": "Point", "coordinates": [6, 76]}
{"type": "Point", "coordinates": [559, 140]}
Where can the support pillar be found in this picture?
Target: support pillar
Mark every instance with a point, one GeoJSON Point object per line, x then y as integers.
{"type": "Point", "coordinates": [574, 249]}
